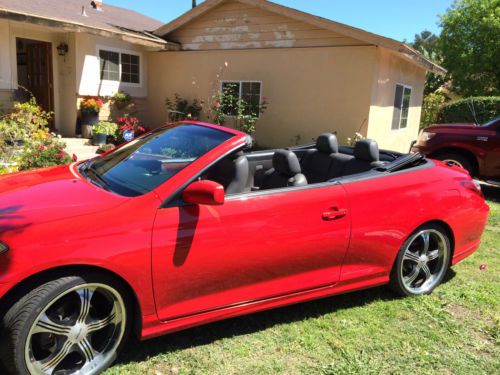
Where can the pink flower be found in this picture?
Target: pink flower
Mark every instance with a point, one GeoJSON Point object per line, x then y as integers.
{"type": "Point", "coordinates": [41, 147]}
{"type": "Point", "coordinates": [61, 155]}
{"type": "Point", "coordinates": [217, 105]}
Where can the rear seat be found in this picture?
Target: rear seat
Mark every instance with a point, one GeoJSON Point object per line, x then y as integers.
{"type": "Point", "coordinates": [366, 157]}
{"type": "Point", "coordinates": [325, 162]}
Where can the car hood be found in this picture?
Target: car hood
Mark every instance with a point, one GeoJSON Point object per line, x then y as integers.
{"type": "Point", "coordinates": [50, 194]}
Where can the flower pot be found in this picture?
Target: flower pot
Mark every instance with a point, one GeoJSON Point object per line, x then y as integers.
{"type": "Point", "coordinates": [87, 131]}
{"type": "Point", "coordinates": [99, 139]}
{"type": "Point", "coordinates": [90, 117]}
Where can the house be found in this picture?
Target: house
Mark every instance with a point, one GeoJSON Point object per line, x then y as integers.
{"type": "Point", "coordinates": [318, 75]}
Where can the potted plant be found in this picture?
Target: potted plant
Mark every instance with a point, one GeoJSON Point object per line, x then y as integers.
{"type": "Point", "coordinates": [128, 128]}
{"type": "Point", "coordinates": [101, 131]}
{"type": "Point", "coordinates": [89, 109]}
{"type": "Point", "coordinates": [121, 100]}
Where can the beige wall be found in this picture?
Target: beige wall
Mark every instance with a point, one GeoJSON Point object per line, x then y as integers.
{"type": "Point", "coordinates": [310, 91]}
{"type": "Point", "coordinates": [391, 70]}
{"type": "Point", "coordinates": [235, 25]}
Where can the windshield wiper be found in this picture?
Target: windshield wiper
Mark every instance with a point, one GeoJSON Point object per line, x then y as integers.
{"type": "Point", "coordinates": [95, 178]}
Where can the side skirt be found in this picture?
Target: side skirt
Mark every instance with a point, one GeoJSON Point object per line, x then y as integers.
{"type": "Point", "coordinates": [152, 327]}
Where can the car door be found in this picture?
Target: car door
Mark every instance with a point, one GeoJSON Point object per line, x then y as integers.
{"type": "Point", "coordinates": [255, 246]}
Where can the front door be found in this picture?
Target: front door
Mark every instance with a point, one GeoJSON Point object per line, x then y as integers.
{"type": "Point", "coordinates": [40, 76]}
{"type": "Point", "coordinates": [255, 246]}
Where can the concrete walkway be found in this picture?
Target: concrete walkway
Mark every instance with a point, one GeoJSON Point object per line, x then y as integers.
{"type": "Point", "coordinates": [81, 147]}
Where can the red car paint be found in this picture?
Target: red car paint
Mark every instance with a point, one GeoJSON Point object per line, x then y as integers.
{"type": "Point", "coordinates": [191, 265]}
{"type": "Point", "coordinates": [480, 144]}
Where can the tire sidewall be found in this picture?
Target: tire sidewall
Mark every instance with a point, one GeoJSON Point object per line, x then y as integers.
{"type": "Point", "coordinates": [397, 283]}
{"type": "Point", "coordinates": [55, 292]}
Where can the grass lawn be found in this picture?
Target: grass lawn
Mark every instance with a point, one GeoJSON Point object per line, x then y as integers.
{"type": "Point", "coordinates": [456, 330]}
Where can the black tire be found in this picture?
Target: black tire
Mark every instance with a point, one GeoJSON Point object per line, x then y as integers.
{"type": "Point", "coordinates": [459, 160]}
{"type": "Point", "coordinates": [20, 318]}
{"type": "Point", "coordinates": [397, 282]}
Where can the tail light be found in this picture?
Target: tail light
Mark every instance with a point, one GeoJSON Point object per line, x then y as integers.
{"type": "Point", "coordinates": [473, 186]}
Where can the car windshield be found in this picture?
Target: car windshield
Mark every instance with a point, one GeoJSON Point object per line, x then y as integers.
{"type": "Point", "coordinates": [492, 122]}
{"type": "Point", "coordinates": [147, 162]}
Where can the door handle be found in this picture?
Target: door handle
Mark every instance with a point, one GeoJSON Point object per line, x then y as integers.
{"type": "Point", "coordinates": [334, 214]}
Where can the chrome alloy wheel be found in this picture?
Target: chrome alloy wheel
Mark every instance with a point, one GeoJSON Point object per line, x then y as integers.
{"type": "Point", "coordinates": [78, 332]}
{"type": "Point", "coordinates": [425, 261]}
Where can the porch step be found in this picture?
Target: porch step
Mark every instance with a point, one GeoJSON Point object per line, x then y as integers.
{"type": "Point", "coordinates": [81, 147]}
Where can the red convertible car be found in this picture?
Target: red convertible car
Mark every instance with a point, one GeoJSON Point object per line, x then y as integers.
{"type": "Point", "coordinates": [185, 226]}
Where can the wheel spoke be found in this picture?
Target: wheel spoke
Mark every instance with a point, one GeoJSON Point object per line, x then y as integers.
{"type": "Point", "coordinates": [47, 325]}
{"type": "Point", "coordinates": [427, 272]}
{"type": "Point", "coordinates": [50, 365]}
{"type": "Point", "coordinates": [86, 350]}
{"type": "Point", "coordinates": [411, 257]}
{"type": "Point", "coordinates": [413, 275]}
{"type": "Point", "coordinates": [85, 299]}
{"type": "Point", "coordinates": [100, 324]}
{"type": "Point", "coordinates": [434, 254]}
{"type": "Point", "coordinates": [427, 240]}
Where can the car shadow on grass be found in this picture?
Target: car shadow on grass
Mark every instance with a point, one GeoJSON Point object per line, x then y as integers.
{"type": "Point", "coordinates": [136, 351]}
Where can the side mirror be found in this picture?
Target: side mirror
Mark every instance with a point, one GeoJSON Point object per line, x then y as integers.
{"type": "Point", "coordinates": [204, 192]}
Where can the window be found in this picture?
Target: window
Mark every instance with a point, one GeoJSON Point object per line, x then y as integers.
{"type": "Point", "coordinates": [120, 67]}
{"type": "Point", "coordinates": [110, 65]}
{"type": "Point", "coordinates": [248, 91]}
{"type": "Point", "coordinates": [401, 107]}
{"type": "Point", "coordinates": [130, 68]}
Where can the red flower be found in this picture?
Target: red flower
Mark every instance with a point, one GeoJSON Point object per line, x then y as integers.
{"type": "Point", "coordinates": [61, 155]}
{"type": "Point", "coordinates": [217, 105]}
{"type": "Point", "coordinates": [75, 158]}
{"type": "Point", "coordinates": [41, 147]}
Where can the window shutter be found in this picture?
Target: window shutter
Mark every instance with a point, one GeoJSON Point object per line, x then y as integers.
{"type": "Point", "coordinates": [398, 100]}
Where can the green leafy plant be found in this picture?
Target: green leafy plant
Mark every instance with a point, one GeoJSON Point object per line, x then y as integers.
{"type": "Point", "coordinates": [43, 153]}
{"type": "Point", "coordinates": [181, 109]}
{"type": "Point", "coordinates": [225, 104]}
{"type": "Point", "coordinates": [469, 45]}
{"type": "Point", "coordinates": [121, 99]}
{"type": "Point", "coordinates": [105, 148]}
{"type": "Point", "coordinates": [105, 127]}
{"type": "Point", "coordinates": [430, 108]}
{"type": "Point", "coordinates": [474, 109]}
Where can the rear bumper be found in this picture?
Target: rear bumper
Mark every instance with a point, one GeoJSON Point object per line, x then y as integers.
{"type": "Point", "coordinates": [465, 252]}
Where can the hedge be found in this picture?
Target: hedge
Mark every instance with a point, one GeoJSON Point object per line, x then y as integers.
{"type": "Point", "coordinates": [486, 108]}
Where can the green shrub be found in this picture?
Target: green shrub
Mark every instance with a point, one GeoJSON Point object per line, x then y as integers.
{"type": "Point", "coordinates": [480, 109]}
{"type": "Point", "coordinates": [105, 127]}
{"type": "Point", "coordinates": [433, 102]}
{"type": "Point", "coordinates": [44, 153]}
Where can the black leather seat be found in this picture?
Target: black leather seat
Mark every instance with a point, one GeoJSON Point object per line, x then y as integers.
{"type": "Point", "coordinates": [325, 162]}
{"type": "Point", "coordinates": [285, 172]}
{"type": "Point", "coordinates": [232, 173]}
{"type": "Point", "coordinates": [366, 157]}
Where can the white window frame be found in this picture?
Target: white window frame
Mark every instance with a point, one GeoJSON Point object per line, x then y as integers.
{"type": "Point", "coordinates": [241, 90]}
{"type": "Point", "coordinates": [120, 51]}
{"type": "Point", "coordinates": [405, 86]}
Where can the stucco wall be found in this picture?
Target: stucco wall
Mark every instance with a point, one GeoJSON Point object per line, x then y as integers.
{"type": "Point", "coordinates": [391, 70]}
{"type": "Point", "coordinates": [310, 90]}
{"type": "Point", "coordinates": [5, 68]}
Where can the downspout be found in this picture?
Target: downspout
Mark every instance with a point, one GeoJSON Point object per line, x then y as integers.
{"type": "Point", "coordinates": [194, 3]}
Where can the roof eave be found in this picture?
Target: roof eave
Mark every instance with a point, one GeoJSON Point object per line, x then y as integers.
{"type": "Point", "coordinates": [149, 41]}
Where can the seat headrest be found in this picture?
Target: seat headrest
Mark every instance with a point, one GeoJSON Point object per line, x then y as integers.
{"type": "Point", "coordinates": [327, 143]}
{"type": "Point", "coordinates": [367, 150]}
{"type": "Point", "coordinates": [286, 162]}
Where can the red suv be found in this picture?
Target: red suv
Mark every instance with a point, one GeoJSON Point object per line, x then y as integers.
{"type": "Point", "coordinates": [473, 147]}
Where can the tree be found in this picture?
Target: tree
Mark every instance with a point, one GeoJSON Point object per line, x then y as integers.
{"type": "Point", "coordinates": [427, 43]}
{"type": "Point", "coordinates": [470, 46]}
